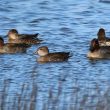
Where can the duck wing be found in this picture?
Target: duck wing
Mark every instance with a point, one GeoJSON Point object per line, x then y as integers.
{"type": "Point", "coordinates": [28, 36]}
{"type": "Point", "coordinates": [59, 56]}
{"type": "Point", "coordinates": [22, 45]}
{"type": "Point", "coordinates": [105, 49]}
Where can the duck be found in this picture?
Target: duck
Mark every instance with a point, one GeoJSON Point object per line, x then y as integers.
{"type": "Point", "coordinates": [97, 51]}
{"type": "Point", "coordinates": [15, 37]}
{"type": "Point", "coordinates": [12, 47]}
{"type": "Point", "coordinates": [45, 56]}
{"type": "Point", "coordinates": [103, 40]}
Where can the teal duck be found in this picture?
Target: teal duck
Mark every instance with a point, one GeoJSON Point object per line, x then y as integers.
{"type": "Point", "coordinates": [12, 47]}
{"type": "Point", "coordinates": [97, 51]}
{"type": "Point", "coordinates": [45, 56]}
{"type": "Point", "coordinates": [15, 37]}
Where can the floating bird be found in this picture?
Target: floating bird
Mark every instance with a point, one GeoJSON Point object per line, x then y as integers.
{"type": "Point", "coordinates": [45, 56]}
{"type": "Point", "coordinates": [15, 37]}
{"type": "Point", "coordinates": [103, 40]}
{"type": "Point", "coordinates": [12, 47]}
{"type": "Point", "coordinates": [97, 51]}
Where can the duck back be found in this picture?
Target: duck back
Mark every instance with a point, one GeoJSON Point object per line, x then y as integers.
{"type": "Point", "coordinates": [55, 57]}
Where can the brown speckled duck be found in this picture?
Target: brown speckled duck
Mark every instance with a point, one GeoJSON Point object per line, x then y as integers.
{"type": "Point", "coordinates": [15, 37]}
{"type": "Point", "coordinates": [45, 56]}
{"type": "Point", "coordinates": [97, 51]}
{"type": "Point", "coordinates": [12, 47]}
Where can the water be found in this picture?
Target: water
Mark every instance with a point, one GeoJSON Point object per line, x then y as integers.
{"type": "Point", "coordinates": [64, 25]}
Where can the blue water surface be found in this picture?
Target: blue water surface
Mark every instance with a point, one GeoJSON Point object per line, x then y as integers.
{"type": "Point", "coordinates": [64, 25]}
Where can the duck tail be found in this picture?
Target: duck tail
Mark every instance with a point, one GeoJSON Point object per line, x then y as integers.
{"type": "Point", "coordinates": [37, 34]}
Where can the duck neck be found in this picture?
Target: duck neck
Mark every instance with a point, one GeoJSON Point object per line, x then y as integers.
{"type": "Point", "coordinates": [102, 38]}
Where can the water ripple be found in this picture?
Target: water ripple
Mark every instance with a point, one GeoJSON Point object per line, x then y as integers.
{"type": "Point", "coordinates": [65, 25]}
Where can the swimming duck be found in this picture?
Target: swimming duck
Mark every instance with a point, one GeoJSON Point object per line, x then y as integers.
{"type": "Point", "coordinates": [103, 40]}
{"type": "Point", "coordinates": [12, 47]}
{"type": "Point", "coordinates": [15, 37]}
{"type": "Point", "coordinates": [45, 56]}
{"type": "Point", "coordinates": [97, 51]}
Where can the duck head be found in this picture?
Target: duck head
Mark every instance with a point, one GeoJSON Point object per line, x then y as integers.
{"type": "Point", "coordinates": [12, 34]}
{"type": "Point", "coordinates": [94, 45]}
{"type": "Point", "coordinates": [101, 35]}
{"type": "Point", "coordinates": [42, 51]}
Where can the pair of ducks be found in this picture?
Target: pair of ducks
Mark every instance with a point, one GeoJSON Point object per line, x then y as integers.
{"type": "Point", "coordinates": [100, 47]}
{"type": "Point", "coordinates": [18, 43]}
